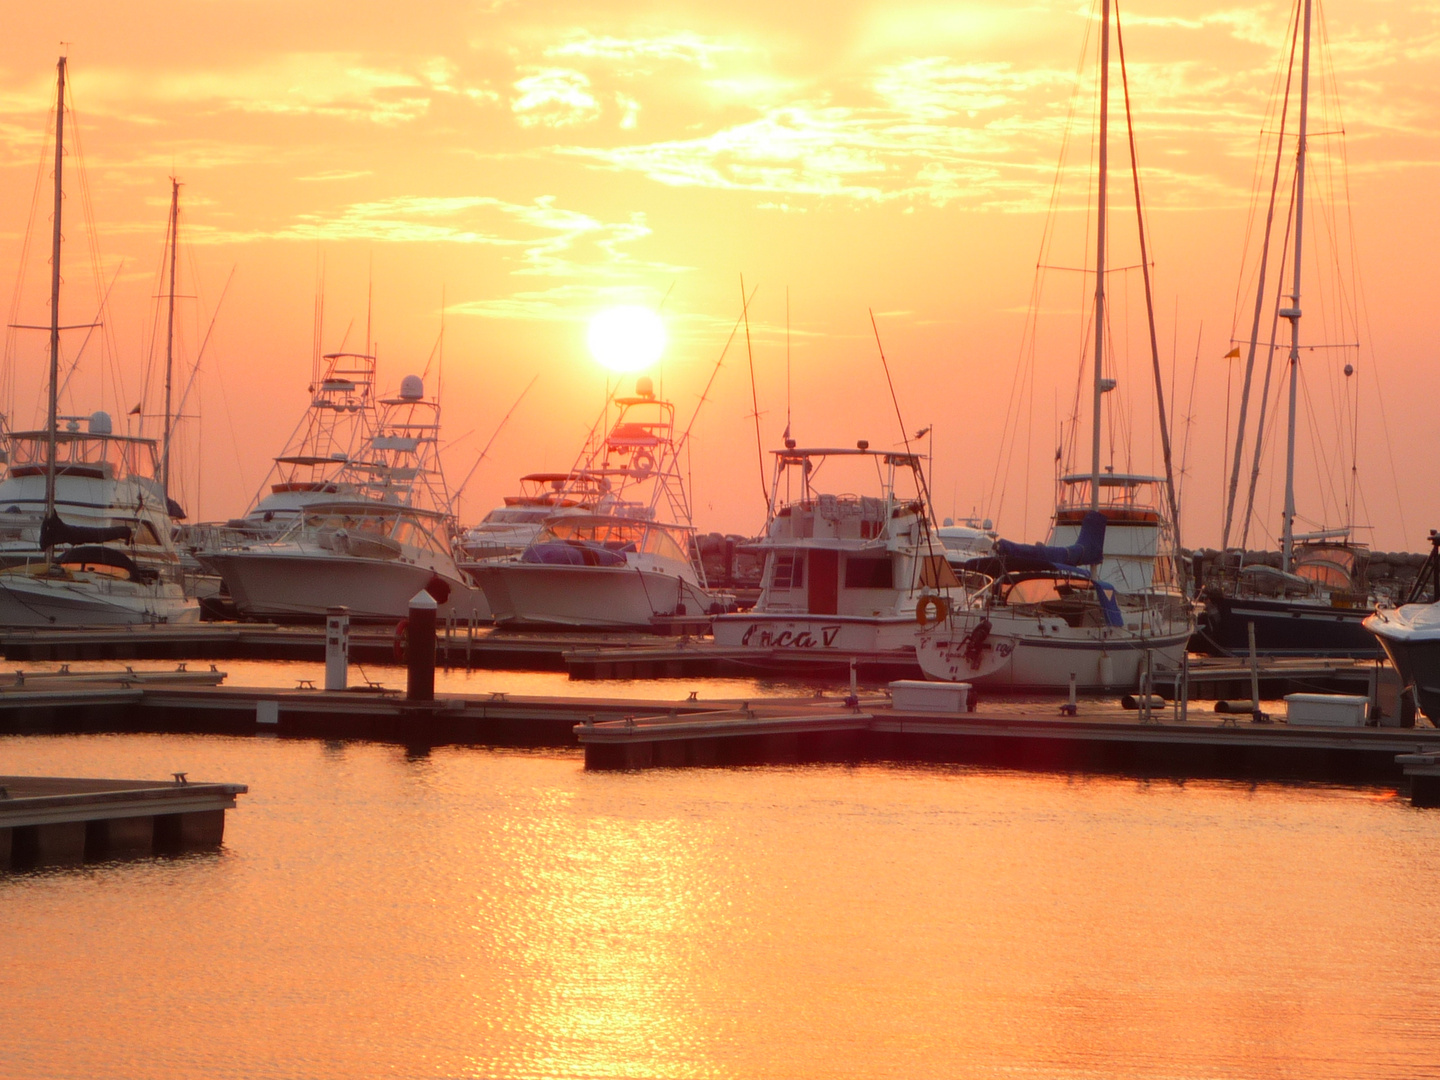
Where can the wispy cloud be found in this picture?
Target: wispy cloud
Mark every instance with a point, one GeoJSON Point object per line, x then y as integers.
{"type": "Point", "coordinates": [548, 240]}
{"type": "Point", "coordinates": [684, 47]}
{"type": "Point", "coordinates": [554, 97]}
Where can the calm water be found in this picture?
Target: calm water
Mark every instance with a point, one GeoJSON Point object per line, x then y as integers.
{"type": "Point", "coordinates": [501, 914]}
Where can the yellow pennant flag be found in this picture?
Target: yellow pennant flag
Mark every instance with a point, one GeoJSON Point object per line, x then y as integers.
{"type": "Point", "coordinates": [1233, 354]}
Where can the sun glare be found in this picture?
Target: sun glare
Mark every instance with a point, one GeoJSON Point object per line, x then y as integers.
{"type": "Point", "coordinates": [627, 338]}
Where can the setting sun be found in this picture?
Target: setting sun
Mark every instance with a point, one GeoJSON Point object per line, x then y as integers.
{"type": "Point", "coordinates": [627, 338]}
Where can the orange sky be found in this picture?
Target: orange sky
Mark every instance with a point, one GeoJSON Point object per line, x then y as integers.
{"type": "Point", "coordinates": [533, 163]}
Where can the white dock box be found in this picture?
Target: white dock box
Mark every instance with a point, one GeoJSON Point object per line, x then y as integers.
{"type": "Point", "coordinates": [921, 696]}
{"type": "Point", "coordinates": [1330, 710]}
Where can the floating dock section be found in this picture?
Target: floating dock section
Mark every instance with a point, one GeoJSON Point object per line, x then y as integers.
{"type": "Point", "coordinates": [48, 820]}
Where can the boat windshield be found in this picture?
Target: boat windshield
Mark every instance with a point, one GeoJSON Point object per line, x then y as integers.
{"type": "Point", "coordinates": [616, 534]}
{"type": "Point", "coordinates": [393, 524]}
{"type": "Point", "coordinates": [514, 515]}
{"type": "Point", "coordinates": [81, 453]}
{"type": "Point", "coordinates": [1042, 590]}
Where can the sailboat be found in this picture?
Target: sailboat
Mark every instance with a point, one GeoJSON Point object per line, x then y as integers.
{"type": "Point", "coordinates": [1315, 602]}
{"type": "Point", "coordinates": [1101, 604]}
{"type": "Point", "coordinates": [77, 575]}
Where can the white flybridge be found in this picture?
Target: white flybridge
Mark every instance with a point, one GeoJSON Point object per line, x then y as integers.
{"type": "Point", "coordinates": [630, 563]}
{"type": "Point", "coordinates": [845, 576]}
{"type": "Point", "coordinates": [73, 572]}
{"type": "Point", "coordinates": [1101, 603]}
{"type": "Point", "coordinates": [380, 536]}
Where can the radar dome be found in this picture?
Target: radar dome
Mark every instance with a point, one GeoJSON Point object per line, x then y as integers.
{"type": "Point", "coordinates": [412, 388]}
{"type": "Point", "coordinates": [644, 387]}
{"type": "Point", "coordinates": [100, 423]}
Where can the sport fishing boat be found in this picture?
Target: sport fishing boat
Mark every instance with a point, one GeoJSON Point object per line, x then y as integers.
{"type": "Point", "coordinates": [511, 527]}
{"type": "Point", "coordinates": [381, 538]}
{"type": "Point", "coordinates": [845, 576]}
{"type": "Point", "coordinates": [1410, 635]}
{"type": "Point", "coordinates": [113, 562]}
{"type": "Point", "coordinates": [1316, 601]}
{"type": "Point", "coordinates": [1101, 603]}
{"type": "Point", "coordinates": [632, 563]}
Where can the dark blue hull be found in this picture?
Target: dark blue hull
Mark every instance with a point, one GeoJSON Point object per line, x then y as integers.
{"type": "Point", "coordinates": [1284, 628]}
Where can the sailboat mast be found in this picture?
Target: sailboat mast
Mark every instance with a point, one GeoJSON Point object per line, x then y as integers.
{"type": "Point", "coordinates": [170, 338]}
{"type": "Point", "coordinates": [1100, 252]}
{"type": "Point", "coordinates": [53, 419]}
{"type": "Point", "coordinates": [1292, 313]}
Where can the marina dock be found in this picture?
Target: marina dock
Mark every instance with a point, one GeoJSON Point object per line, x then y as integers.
{"type": "Point", "coordinates": [621, 656]}
{"type": "Point", "coordinates": [619, 733]}
{"type": "Point", "coordinates": [48, 820]}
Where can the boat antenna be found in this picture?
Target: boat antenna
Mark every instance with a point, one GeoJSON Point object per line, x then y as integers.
{"type": "Point", "coordinates": [204, 344]}
{"type": "Point", "coordinates": [170, 341]}
{"type": "Point", "coordinates": [705, 394]}
{"type": "Point", "coordinates": [1292, 313]}
{"type": "Point", "coordinates": [455, 497]}
{"type": "Point", "coordinates": [369, 303]}
{"type": "Point", "coordinates": [1149, 299]}
{"type": "Point", "coordinates": [52, 420]}
{"type": "Point", "coordinates": [1104, 161]}
{"type": "Point", "coordinates": [787, 361]}
{"type": "Point", "coordinates": [754, 396]}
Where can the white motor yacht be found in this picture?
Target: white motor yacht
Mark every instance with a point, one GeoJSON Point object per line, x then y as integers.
{"type": "Point", "coordinates": [845, 575]}
{"type": "Point", "coordinates": [632, 563]}
{"type": "Point", "coordinates": [385, 537]}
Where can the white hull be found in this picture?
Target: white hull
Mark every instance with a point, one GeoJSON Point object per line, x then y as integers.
{"type": "Point", "coordinates": [1100, 662]}
{"type": "Point", "coordinates": [33, 601]}
{"type": "Point", "coordinates": [533, 594]}
{"type": "Point", "coordinates": [278, 585]}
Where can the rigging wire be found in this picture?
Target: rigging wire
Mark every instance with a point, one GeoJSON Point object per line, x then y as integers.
{"type": "Point", "coordinates": [754, 394]}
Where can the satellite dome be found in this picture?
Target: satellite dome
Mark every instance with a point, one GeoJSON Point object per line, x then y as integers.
{"type": "Point", "coordinates": [100, 423]}
{"type": "Point", "coordinates": [412, 388]}
{"type": "Point", "coordinates": [644, 387]}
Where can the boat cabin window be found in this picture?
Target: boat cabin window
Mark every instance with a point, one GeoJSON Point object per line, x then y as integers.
{"type": "Point", "coordinates": [789, 570]}
{"type": "Point", "coordinates": [865, 573]}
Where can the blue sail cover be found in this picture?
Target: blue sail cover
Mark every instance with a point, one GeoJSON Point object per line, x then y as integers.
{"type": "Point", "coordinates": [1088, 550]}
